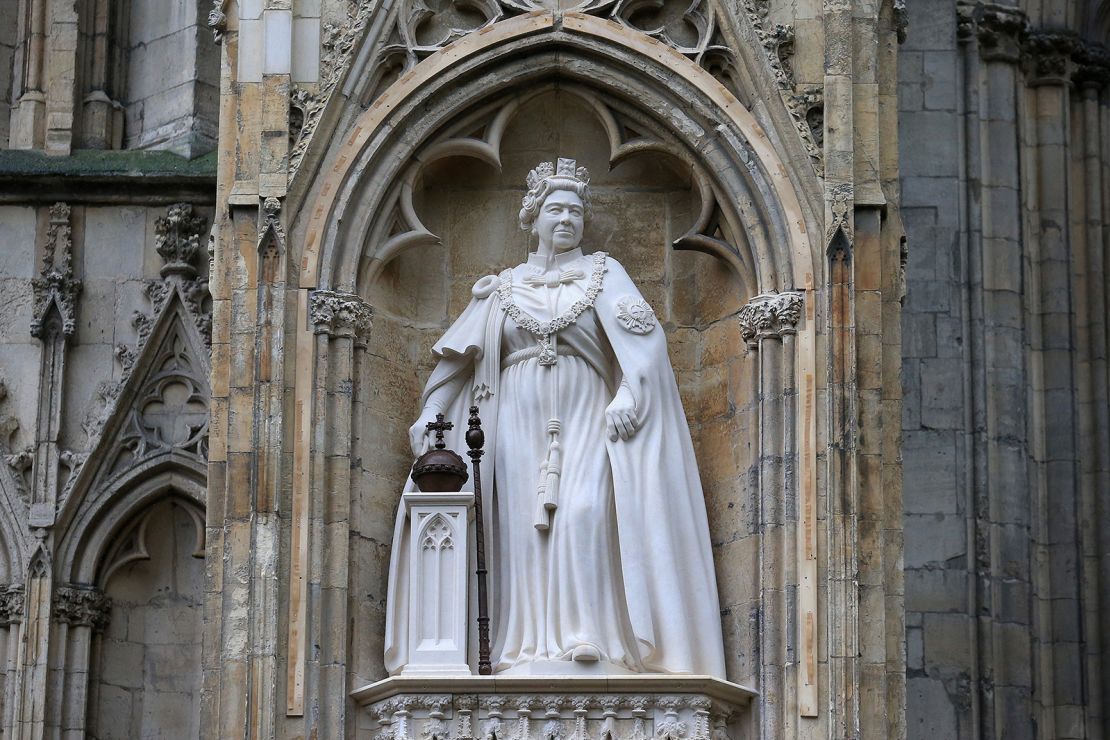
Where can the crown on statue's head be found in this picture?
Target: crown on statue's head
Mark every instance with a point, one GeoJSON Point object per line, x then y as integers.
{"type": "Point", "coordinates": [566, 169]}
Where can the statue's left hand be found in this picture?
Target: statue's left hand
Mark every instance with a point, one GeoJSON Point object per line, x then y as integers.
{"type": "Point", "coordinates": [620, 415]}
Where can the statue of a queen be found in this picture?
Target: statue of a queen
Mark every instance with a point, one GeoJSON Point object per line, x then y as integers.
{"type": "Point", "coordinates": [598, 537]}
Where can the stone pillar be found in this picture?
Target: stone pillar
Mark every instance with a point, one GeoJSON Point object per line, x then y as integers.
{"type": "Point", "coordinates": [321, 512]}
{"type": "Point", "coordinates": [28, 116]}
{"type": "Point", "coordinates": [11, 617]}
{"type": "Point", "coordinates": [1059, 659]}
{"type": "Point", "coordinates": [996, 467]}
{"type": "Point", "coordinates": [768, 324]}
{"type": "Point", "coordinates": [79, 613]}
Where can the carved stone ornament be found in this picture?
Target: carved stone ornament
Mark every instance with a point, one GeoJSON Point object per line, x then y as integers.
{"type": "Point", "coordinates": [55, 284]}
{"type": "Point", "coordinates": [11, 605]}
{"type": "Point", "coordinates": [841, 197]}
{"type": "Point", "coordinates": [805, 106]}
{"type": "Point", "coordinates": [554, 716]}
{"type": "Point", "coordinates": [770, 315]}
{"type": "Point", "coordinates": [691, 28]}
{"type": "Point", "coordinates": [177, 237]}
{"type": "Point", "coordinates": [341, 315]}
{"type": "Point", "coordinates": [217, 20]}
{"type": "Point", "coordinates": [635, 315]}
{"type": "Point", "coordinates": [82, 606]}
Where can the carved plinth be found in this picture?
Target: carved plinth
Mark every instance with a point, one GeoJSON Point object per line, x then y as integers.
{"type": "Point", "coordinates": [574, 708]}
{"type": "Point", "coordinates": [438, 559]}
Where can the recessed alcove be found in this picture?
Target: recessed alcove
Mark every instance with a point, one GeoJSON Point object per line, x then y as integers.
{"type": "Point", "coordinates": [641, 206]}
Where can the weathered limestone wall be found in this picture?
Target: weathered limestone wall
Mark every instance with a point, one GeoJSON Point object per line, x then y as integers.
{"type": "Point", "coordinates": [1003, 123]}
{"type": "Point", "coordinates": [105, 75]}
{"type": "Point", "coordinates": [103, 417]}
{"type": "Point", "coordinates": [172, 88]}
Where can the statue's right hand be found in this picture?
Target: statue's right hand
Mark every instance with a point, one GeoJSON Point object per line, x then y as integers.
{"type": "Point", "coordinates": [419, 440]}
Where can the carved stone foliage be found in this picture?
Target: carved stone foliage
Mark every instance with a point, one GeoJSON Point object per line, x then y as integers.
{"type": "Point", "coordinates": [770, 315]}
{"type": "Point", "coordinates": [806, 106]}
{"type": "Point", "coordinates": [338, 45]}
{"type": "Point", "coordinates": [1005, 34]}
{"type": "Point", "coordinates": [341, 314]}
{"type": "Point", "coordinates": [271, 237]}
{"type": "Point", "coordinates": [11, 605]}
{"type": "Point", "coordinates": [552, 716]}
{"type": "Point", "coordinates": [55, 285]}
{"type": "Point", "coordinates": [177, 237]}
{"type": "Point", "coordinates": [81, 606]}
{"type": "Point", "coordinates": [18, 461]}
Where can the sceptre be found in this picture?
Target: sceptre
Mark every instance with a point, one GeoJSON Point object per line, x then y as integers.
{"type": "Point", "coordinates": [475, 440]}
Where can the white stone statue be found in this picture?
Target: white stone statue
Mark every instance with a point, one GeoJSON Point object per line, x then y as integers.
{"type": "Point", "coordinates": [598, 546]}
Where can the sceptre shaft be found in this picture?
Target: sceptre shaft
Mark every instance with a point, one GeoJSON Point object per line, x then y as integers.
{"type": "Point", "coordinates": [475, 440]}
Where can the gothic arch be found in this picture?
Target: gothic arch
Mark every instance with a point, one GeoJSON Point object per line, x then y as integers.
{"type": "Point", "coordinates": [13, 554]}
{"type": "Point", "coordinates": [719, 134]}
{"type": "Point", "coordinates": [94, 529]}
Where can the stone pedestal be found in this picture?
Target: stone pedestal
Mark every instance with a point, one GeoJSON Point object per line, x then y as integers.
{"type": "Point", "coordinates": [618, 707]}
{"type": "Point", "coordinates": [439, 565]}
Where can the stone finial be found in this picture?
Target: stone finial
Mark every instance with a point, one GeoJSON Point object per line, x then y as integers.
{"type": "Point", "coordinates": [770, 315]}
{"type": "Point", "coordinates": [55, 284]}
{"type": "Point", "coordinates": [81, 606]}
{"type": "Point", "coordinates": [177, 238]}
{"type": "Point", "coordinates": [341, 315]}
{"type": "Point", "coordinates": [11, 605]}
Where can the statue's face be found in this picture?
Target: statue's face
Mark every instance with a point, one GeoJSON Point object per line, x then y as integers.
{"type": "Point", "coordinates": [560, 220]}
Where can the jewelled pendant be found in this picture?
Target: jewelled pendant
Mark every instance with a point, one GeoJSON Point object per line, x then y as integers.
{"type": "Point", "coordinates": [547, 351]}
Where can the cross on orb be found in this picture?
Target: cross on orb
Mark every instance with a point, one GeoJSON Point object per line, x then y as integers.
{"type": "Point", "coordinates": [439, 426]}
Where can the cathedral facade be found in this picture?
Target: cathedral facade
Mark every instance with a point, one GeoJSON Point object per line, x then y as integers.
{"type": "Point", "coordinates": [873, 234]}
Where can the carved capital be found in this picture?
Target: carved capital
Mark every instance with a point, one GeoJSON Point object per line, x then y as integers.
{"type": "Point", "coordinates": [55, 284]}
{"type": "Point", "coordinates": [341, 315]}
{"type": "Point", "coordinates": [11, 605]}
{"type": "Point", "coordinates": [177, 237]}
{"type": "Point", "coordinates": [81, 606]}
{"type": "Point", "coordinates": [1049, 56]}
{"type": "Point", "coordinates": [1001, 31]}
{"type": "Point", "coordinates": [770, 315]}
{"type": "Point", "coordinates": [1092, 66]}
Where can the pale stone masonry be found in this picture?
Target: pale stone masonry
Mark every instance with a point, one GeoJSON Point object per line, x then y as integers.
{"type": "Point", "coordinates": [1002, 115]}
{"type": "Point", "coordinates": [875, 234]}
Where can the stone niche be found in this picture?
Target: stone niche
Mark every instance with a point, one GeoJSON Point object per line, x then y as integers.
{"type": "Point", "coordinates": [641, 206]}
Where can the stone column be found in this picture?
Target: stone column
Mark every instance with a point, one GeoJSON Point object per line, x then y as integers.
{"type": "Point", "coordinates": [1055, 298]}
{"type": "Point", "coordinates": [768, 324]}
{"type": "Point", "coordinates": [321, 511]}
{"type": "Point", "coordinates": [28, 115]}
{"type": "Point", "coordinates": [11, 617]}
{"type": "Point", "coordinates": [995, 484]}
{"type": "Point", "coordinates": [79, 613]}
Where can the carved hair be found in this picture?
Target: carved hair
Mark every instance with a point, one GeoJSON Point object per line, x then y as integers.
{"type": "Point", "coordinates": [545, 180]}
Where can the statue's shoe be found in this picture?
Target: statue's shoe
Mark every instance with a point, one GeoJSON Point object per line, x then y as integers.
{"type": "Point", "coordinates": [586, 653]}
